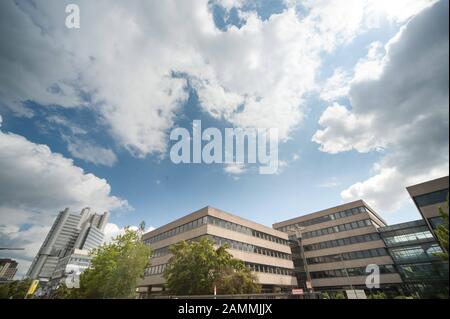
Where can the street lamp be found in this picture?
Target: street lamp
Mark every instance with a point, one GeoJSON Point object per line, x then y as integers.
{"type": "Point", "coordinates": [346, 272]}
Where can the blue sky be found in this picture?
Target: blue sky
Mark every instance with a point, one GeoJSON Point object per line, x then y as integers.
{"type": "Point", "coordinates": [320, 72]}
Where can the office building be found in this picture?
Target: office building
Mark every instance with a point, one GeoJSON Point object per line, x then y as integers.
{"type": "Point", "coordinates": [331, 248]}
{"type": "Point", "coordinates": [70, 239]}
{"type": "Point", "coordinates": [413, 248]}
{"type": "Point", "coordinates": [8, 269]}
{"type": "Point", "coordinates": [265, 250]}
{"type": "Point", "coordinates": [428, 197]}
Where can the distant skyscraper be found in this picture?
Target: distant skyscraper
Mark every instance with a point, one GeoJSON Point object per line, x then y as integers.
{"type": "Point", "coordinates": [8, 268]}
{"type": "Point", "coordinates": [69, 239]}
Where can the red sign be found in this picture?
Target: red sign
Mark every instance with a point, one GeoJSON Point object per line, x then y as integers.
{"type": "Point", "coordinates": [297, 291]}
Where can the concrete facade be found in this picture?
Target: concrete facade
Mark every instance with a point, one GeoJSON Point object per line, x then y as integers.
{"type": "Point", "coordinates": [70, 232]}
{"type": "Point", "coordinates": [337, 244]}
{"type": "Point", "coordinates": [265, 250]}
{"type": "Point", "coordinates": [428, 197]}
{"type": "Point", "coordinates": [8, 269]}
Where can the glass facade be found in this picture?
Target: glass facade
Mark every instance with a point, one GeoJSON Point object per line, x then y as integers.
{"type": "Point", "coordinates": [403, 236]}
{"type": "Point", "coordinates": [424, 271]}
{"type": "Point", "coordinates": [352, 272]}
{"type": "Point", "coordinates": [415, 253]}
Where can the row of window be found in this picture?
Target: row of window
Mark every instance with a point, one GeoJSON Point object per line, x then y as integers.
{"type": "Point", "coordinates": [177, 230]}
{"type": "Point", "coordinates": [426, 271]}
{"type": "Point", "coordinates": [370, 253]}
{"type": "Point", "coordinates": [159, 269]}
{"type": "Point", "coordinates": [338, 228]}
{"type": "Point", "coordinates": [342, 242]}
{"type": "Point", "coordinates": [246, 230]}
{"type": "Point", "coordinates": [431, 198]}
{"type": "Point", "coordinates": [233, 244]}
{"type": "Point", "coordinates": [270, 269]}
{"type": "Point", "coordinates": [398, 239]}
{"type": "Point", "coordinates": [420, 252]}
{"type": "Point", "coordinates": [352, 272]}
{"type": "Point", "coordinates": [326, 218]}
{"type": "Point", "coordinates": [217, 222]}
{"type": "Point", "coordinates": [155, 270]}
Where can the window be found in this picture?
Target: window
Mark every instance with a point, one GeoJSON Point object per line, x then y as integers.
{"type": "Point", "coordinates": [431, 198]}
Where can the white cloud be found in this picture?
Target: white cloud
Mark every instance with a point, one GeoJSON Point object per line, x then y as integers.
{"type": "Point", "coordinates": [112, 231]}
{"type": "Point", "coordinates": [90, 153]}
{"type": "Point", "coordinates": [36, 185]}
{"type": "Point", "coordinates": [371, 67]}
{"type": "Point", "coordinates": [125, 56]}
{"type": "Point", "coordinates": [62, 121]}
{"type": "Point", "coordinates": [336, 86]}
{"type": "Point", "coordinates": [235, 169]}
{"type": "Point", "coordinates": [403, 110]}
{"type": "Point", "coordinates": [345, 131]}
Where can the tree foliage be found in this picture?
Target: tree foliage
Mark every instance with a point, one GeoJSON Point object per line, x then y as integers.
{"type": "Point", "coordinates": [377, 295]}
{"type": "Point", "coordinates": [115, 268]}
{"type": "Point", "coordinates": [197, 267]}
{"type": "Point", "coordinates": [442, 233]}
{"type": "Point", "coordinates": [14, 289]}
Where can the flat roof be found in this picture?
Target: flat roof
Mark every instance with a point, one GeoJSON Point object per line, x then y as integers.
{"type": "Point", "coordinates": [212, 211]}
{"type": "Point", "coordinates": [327, 211]}
{"type": "Point", "coordinates": [428, 186]}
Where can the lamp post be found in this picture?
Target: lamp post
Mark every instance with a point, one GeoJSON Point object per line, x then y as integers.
{"type": "Point", "coordinates": [346, 272]}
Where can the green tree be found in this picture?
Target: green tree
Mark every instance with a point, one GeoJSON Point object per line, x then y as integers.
{"type": "Point", "coordinates": [332, 295]}
{"type": "Point", "coordinates": [442, 233]}
{"type": "Point", "coordinates": [196, 268]}
{"type": "Point", "coordinates": [115, 267]}
{"type": "Point", "coordinates": [4, 290]}
{"type": "Point", "coordinates": [62, 292]}
{"type": "Point", "coordinates": [377, 295]}
{"type": "Point", "coordinates": [15, 289]}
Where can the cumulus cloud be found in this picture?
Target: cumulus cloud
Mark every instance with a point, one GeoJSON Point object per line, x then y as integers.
{"type": "Point", "coordinates": [90, 153]}
{"type": "Point", "coordinates": [235, 169]}
{"type": "Point", "coordinates": [402, 111]}
{"type": "Point", "coordinates": [112, 231]}
{"type": "Point", "coordinates": [64, 122]}
{"type": "Point", "coordinates": [36, 185]}
{"type": "Point", "coordinates": [135, 59]}
{"type": "Point", "coordinates": [336, 86]}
